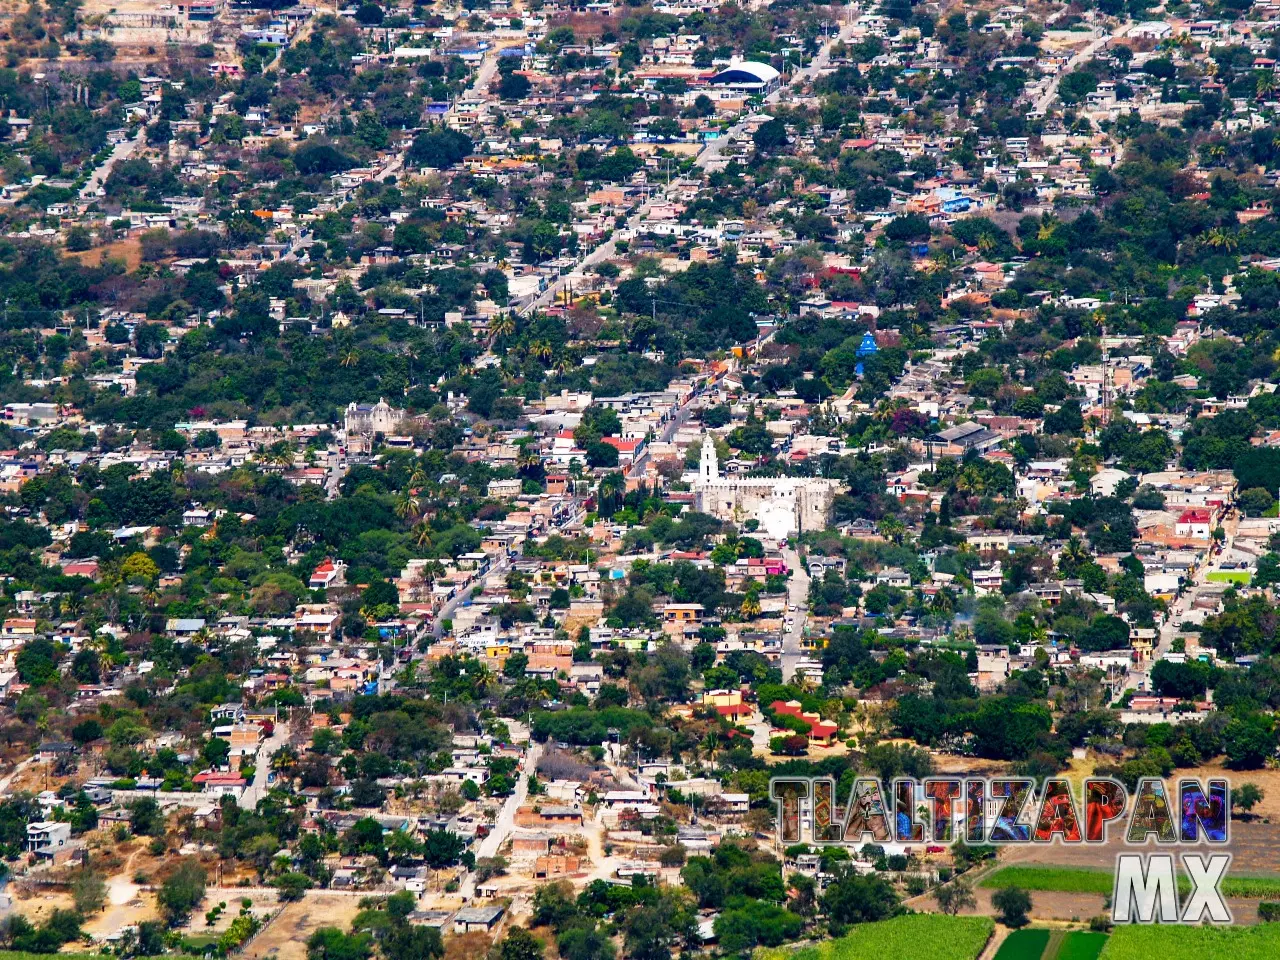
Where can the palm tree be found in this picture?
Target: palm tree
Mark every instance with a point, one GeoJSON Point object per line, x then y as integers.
{"type": "Point", "coordinates": [528, 459]}
{"type": "Point", "coordinates": [611, 484]}
{"type": "Point", "coordinates": [1221, 239]}
{"type": "Point", "coordinates": [891, 528]}
{"type": "Point", "coordinates": [540, 349]}
{"type": "Point", "coordinates": [1074, 554]}
{"type": "Point", "coordinates": [285, 761]}
{"type": "Point", "coordinates": [349, 357]}
{"type": "Point", "coordinates": [710, 744]}
{"type": "Point", "coordinates": [422, 534]}
{"type": "Point", "coordinates": [750, 608]}
{"type": "Point", "coordinates": [504, 326]}
{"type": "Point", "coordinates": [543, 248]}
{"type": "Point", "coordinates": [1265, 84]}
{"type": "Point", "coordinates": [406, 506]}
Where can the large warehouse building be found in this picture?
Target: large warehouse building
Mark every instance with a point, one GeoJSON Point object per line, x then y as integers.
{"type": "Point", "coordinates": [749, 76]}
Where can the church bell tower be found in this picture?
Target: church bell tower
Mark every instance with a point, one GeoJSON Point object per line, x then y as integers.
{"type": "Point", "coordinates": [709, 468]}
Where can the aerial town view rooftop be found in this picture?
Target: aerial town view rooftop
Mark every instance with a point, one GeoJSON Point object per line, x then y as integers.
{"type": "Point", "coordinates": [639, 479]}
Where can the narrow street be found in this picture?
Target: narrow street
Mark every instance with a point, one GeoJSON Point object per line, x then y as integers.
{"type": "Point", "coordinates": [262, 768]}
{"type": "Point", "coordinates": [506, 819]}
{"type": "Point", "coordinates": [1046, 99]}
{"type": "Point", "coordinates": [1138, 677]}
{"type": "Point", "coordinates": [798, 597]}
{"type": "Point", "coordinates": [122, 151]}
{"type": "Point", "coordinates": [446, 612]}
{"type": "Point", "coordinates": [480, 82]}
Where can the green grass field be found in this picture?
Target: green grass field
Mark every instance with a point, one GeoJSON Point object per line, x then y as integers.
{"type": "Point", "coordinates": [1058, 879]}
{"type": "Point", "coordinates": [920, 936]}
{"type": "Point", "coordinates": [1140, 942]}
{"type": "Point", "coordinates": [1230, 576]}
{"type": "Point", "coordinates": [1090, 880]}
{"type": "Point", "coordinates": [1082, 945]}
{"type": "Point", "coordinates": [1023, 945]}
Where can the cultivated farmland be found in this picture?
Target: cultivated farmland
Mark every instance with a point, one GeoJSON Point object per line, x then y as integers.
{"type": "Point", "coordinates": [920, 936]}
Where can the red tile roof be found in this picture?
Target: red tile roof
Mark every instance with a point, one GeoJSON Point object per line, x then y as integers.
{"type": "Point", "coordinates": [818, 728]}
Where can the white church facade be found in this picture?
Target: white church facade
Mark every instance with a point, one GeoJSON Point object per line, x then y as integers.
{"type": "Point", "coordinates": [784, 506]}
{"type": "Point", "coordinates": [366, 418]}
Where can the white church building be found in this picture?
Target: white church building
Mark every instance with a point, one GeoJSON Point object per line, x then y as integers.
{"type": "Point", "coordinates": [784, 506]}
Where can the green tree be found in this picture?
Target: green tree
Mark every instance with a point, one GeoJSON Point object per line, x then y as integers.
{"type": "Point", "coordinates": [78, 239]}
{"type": "Point", "coordinates": [1012, 905]}
{"type": "Point", "coordinates": [513, 86]}
{"type": "Point", "coordinates": [854, 898]}
{"type": "Point", "coordinates": [1258, 467]}
{"type": "Point", "coordinates": [405, 941]}
{"type": "Point", "coordinates": [88, 891]}
{"type": "Point", "coordinates": [139, 568]}
{"type": "Point", "coordinates": [145, 818]}
{"type": "Point", "coordinates": [330, 943]}
{"type": "Point", "coordinates": [1256, 501]}
{"type": "Point", "coordinates": [439, 147]}
{"type": "Point", "coordinates": [1249, 741]}
{"type": "Point", "coordinates": [292, 885]}
{"type": "Point", "coordinates": [1247, 796]}
{"type": "Point", "coordinates": [602, 455]}
{"type": "Point", "coordinates": [519, 944]}
{"type": "Point", "coordinates": [182, 892]}
{"type": "Point", "coordinates": [954, 897]}
{"type": "Point", "coordinates": [770, 135]}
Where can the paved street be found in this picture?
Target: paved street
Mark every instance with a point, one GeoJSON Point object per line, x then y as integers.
{"type": "Point", "coordinates": [1086, 53]}
{"type": "Point", "coordinates": [1138, 676]}
{"type": "Point", "coordinates": [262, 767]}
{"type": "Point", "coordinates": [480, 82]}
{"type": "Point", "coordinates": [506, 820]}
{"type": "Point", "coordinates": [123, 151]}
{"type": "Point", "coordinates": [797, 596]}
{"type": "Point", "coordinates": [446, 612]}
{"type": "Point", "coordinates": [637, 469]}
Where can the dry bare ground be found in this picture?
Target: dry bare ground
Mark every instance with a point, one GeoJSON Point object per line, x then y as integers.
{"type": "Point", "coordinates": [286, 936]}
{"type": "Point", "coordinates": [467, 946]}
{"type": "Point", "coordinates": [130, 251]}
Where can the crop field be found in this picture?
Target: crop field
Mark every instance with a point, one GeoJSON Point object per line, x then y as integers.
{"type": "Point", "coordinates": [1081, 945]}
{"type": "Point", "coordinates": [1085, 880]}
{"type": "Point", "coordinates": [1058, 879]}
{"type": "Point", "coordinates": [923, 936]}
{"type": "Point", "coordinates": [1139, 942]}
{"type": "Point", "coordinates": [1023, 945]}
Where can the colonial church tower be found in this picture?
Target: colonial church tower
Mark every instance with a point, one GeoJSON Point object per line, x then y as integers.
{"type": "Point", "coordinates": [709, 469]}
